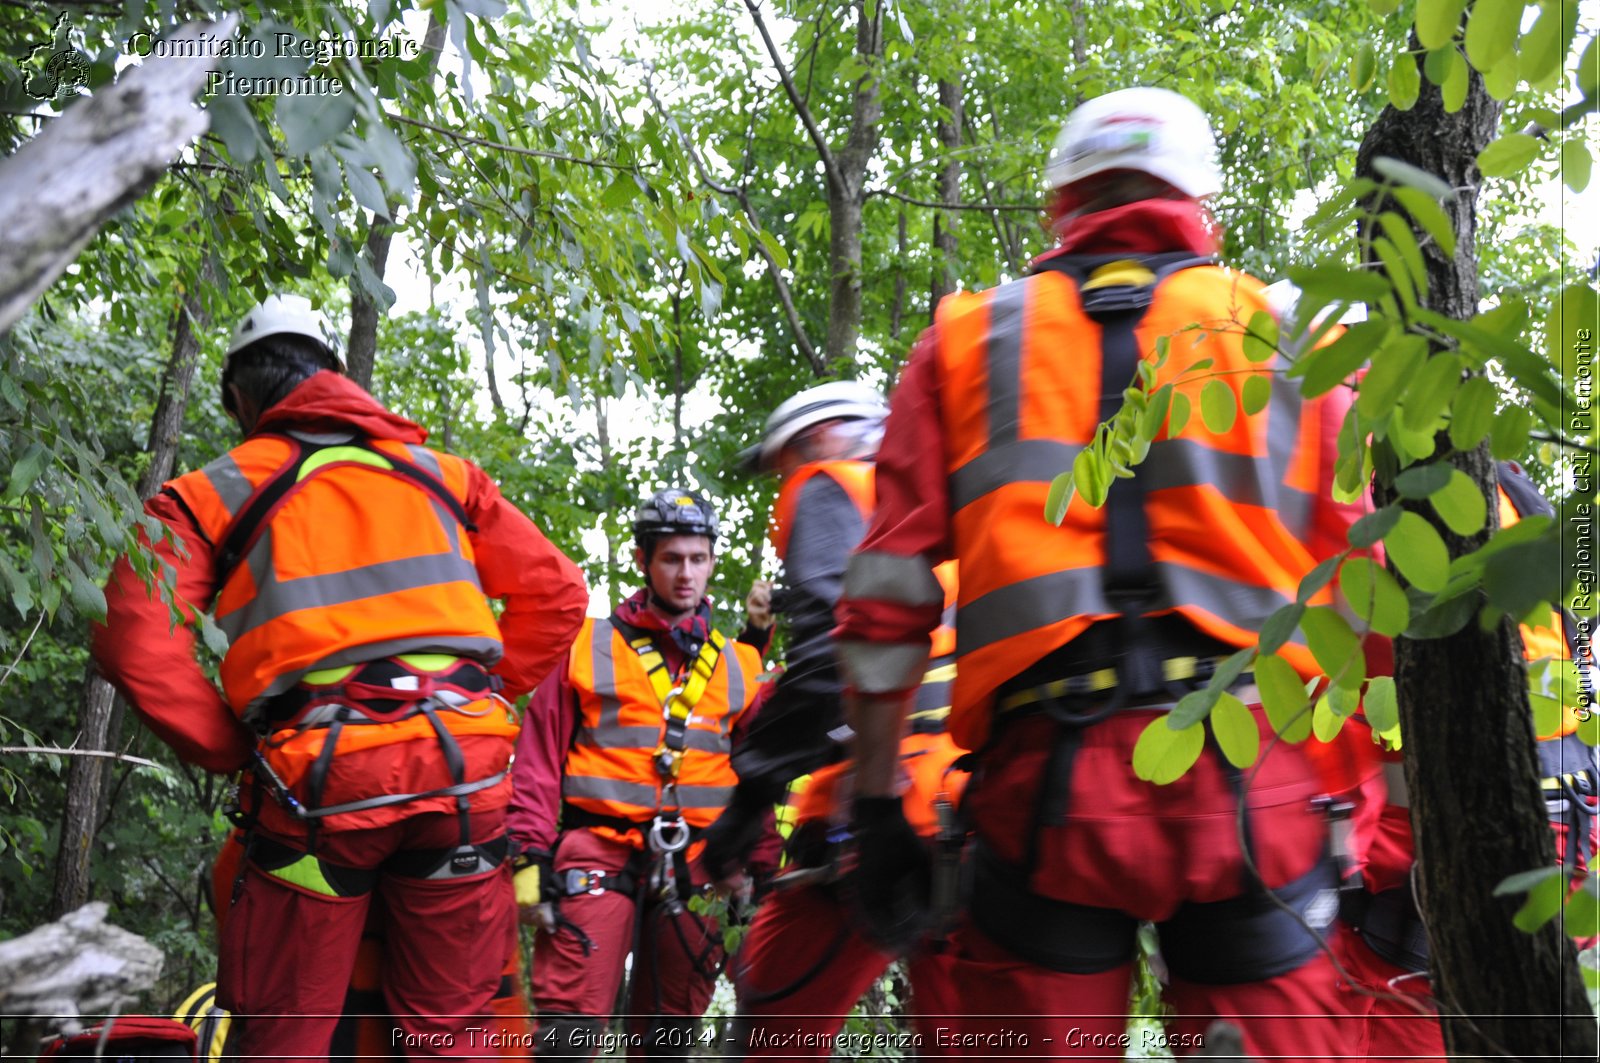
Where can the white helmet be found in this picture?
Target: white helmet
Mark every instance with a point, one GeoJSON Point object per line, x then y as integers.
{"type": "Point", "coordinates": [837, 400]}
{"type": "Point", "coordinates": [1153, 131]}
{"type": "Point", "coordinates": [280, 315]}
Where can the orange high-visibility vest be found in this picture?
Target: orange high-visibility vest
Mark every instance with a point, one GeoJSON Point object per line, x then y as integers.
{"type": "Point", "coordinates": [857, 479]}
{"type": "Point", "coordinates": [1228, 514]}
{"type": "Point", "coordinates": [610, 769]}
{"type": "Point", "coordinates": [357, 560]}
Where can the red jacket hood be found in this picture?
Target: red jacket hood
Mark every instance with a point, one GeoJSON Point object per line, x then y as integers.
{"type": "Point", "coordinates": [328, 401]}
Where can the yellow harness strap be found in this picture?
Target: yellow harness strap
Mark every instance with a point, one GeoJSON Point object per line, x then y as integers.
{"type": "Point", "coordinates": [677, 702]}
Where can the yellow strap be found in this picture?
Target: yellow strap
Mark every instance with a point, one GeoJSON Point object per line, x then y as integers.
{"type": "Point", "coordinates": [1173, 670]}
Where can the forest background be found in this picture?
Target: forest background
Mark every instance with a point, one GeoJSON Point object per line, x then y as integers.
{"type": "Point", "coordinates": [623, 237]}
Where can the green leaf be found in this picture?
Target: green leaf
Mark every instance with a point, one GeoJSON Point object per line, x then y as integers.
{"type": "Point", "coordinates": [1472, 413]}
{"type": "Point", "coordinates": [1375, 596]}
{"type": "Point", "coordinates": [1588, 78]}
{"type": "Point", "coordinates": [1374, 526]}
{"type": "Point", "coordinates": [1261, 337]}
{"type": "Point", "coordinates": [1437, 64]}
{"type": "Point", "coordinates": [1380, 705]}
{"type": "Point", "coordinates": [1456, 81]}
{"type": "Point", "coordinates": [1154, 415]}
{"type": "Point", "coordinates": [1317, 578]}
{"type": "Point", "coordinates": [232, 121]}
{"type": "Point", "coordinates": [1525, 575]}
{"type": "Point", "coordinates": [1405, 82]}
{"type": "Point", "coordinates": [1405, 175]}
{"type": "Point", "coordinates": [1461, 505]}
{"type": "Point", "coordinates": [1180, 415]}
{"type": "Point", "coordinates": [1582, 915]}
{"type": "Point", "coordinates": [366, 190]}
{"type": "Point", "coordinates": [1405, 242]}
{"type": "Point", "coordinates": [1544, 901]}
{"type": "Point", "coordinates": [1283, 696]}
{"type": "Point", "coordinates": [1394, 368]}
{"type": "Point", "coordinates": [309, 122]}
{"type": "Point", "coordinates": [88, 600]}
{"type": "Point", "coordinates": [1327, 367]}
{"type": "Point", "coordinates": [27, 470]}
{"type": "Point", "coordinates": [1326, 722]}
{"type": "Point", "coordinates": [1428, 397]}
{"type": "Point", "coordinates": [1420, 481]}
{"type": "Point", "coordinates": [1501, 80]}
{"type": "Point", "coordinates": [1572, 313]}
{"type": "Point", "coordinates": [775, 249]}
{"type": "Point", "coordinates": [1492, 29]}
{"type": "Point", "coordinates": [1436, 21]}
{"type": "Point", "coordinates": [1363, 67]}
{"type": "Point", "coordinates": [1508, 155]}
{"type": "Point", "coordinates": [1280, 627]}
{"type": "Point", "coordinates": [1091, 477]}
{"type": "Point", "coordinates": [1576, 163]}
{"type": "Point", "coordinates": [1193, 707]}
{"type": "Point", "coordinates": [1523, 881]}
{"type": "Point", "coordinates": [1425, 210]}
{"type": "Point", "coordinates": [1162, 755]}
{"type": "Point", "coordinates": [1336, 282]}
{"type": "Point", "coordinates": [1256, 394]}
{"type": "Point", "coordinates": [1543, 47]}
{"type": "Point", "coordinates": [1384, 8]}
{"type": "Point", "coordinates": [1336, 647]}
{"type": "Point", "coordinates": [1510, 433]}
{"type": "Point", "coordinates": [1219, 407]}
{"type": "Point", "coordinates": [1059, 498]}
{"type": "Point", "coordinates": [1235, 729]}
{"type": "Point", "coordinates": [1416, 549]}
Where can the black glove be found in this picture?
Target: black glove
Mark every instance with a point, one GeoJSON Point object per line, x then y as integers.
{"type": "Point", "coordinates": [892, 885]}
{"type": "Point", "coordinates": [733, 834]}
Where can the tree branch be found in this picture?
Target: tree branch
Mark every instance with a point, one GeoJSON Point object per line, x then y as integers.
{"type": "Point", "coordinates": [829, 166]}
{"type": "Point", "coordinates": [56, 751]}
{"type": "Point", "coordinates": [915, 202]}
{"type": "Point", "coordinates": [467, 138]}
{"type": "Point", "coordinates": [739, 192]}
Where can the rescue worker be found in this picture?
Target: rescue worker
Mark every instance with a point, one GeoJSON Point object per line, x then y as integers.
{"type": "Point", "coordinates": [1072, 639]}
{"type": "Point", "coordinates": [363, 689]}
{"type": "Point", "coordinates": [1382, 942]}
{"type": "Point", "coordinates": [625, 752]}
{"type": "Point", "coordinates": [803, 964]}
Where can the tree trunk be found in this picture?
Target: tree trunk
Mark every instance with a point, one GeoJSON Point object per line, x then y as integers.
{"type": "Point", "coordinates": [847, 193]}
{"type": "Point", "coordinates": [897, 309]}
{"type": "Point", "coordinates": [89, 777]}
{"type": "Point", "coordinates": [944, 237]}
{"type": "Point", "coordinates": [362, 350]}
{"type": "Point", "coordinates": [1470, 761]}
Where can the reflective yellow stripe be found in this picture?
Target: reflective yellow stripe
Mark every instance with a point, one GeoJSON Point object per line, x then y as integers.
{"type": "Point", "coordinates": [324, 676]}
{"type": "Point", "coordinates": [329, 455]}
{"type": "Point", "coordinates": [430, 662]}
{"type": "Point", "coordinates": [306, 873]}
{"type": "Point", "coordinates": [942, 674]}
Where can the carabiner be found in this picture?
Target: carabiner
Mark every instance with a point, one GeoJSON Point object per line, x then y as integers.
{"type": "Point", "coordinates": [663, 842]}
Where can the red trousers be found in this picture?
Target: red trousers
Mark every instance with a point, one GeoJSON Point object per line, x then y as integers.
{"type": "Point", "coordinates": [801, 969]}
{"type": "Point", "coordinates": [1145, 851]}
{"type": "Point", "coordinates": [675, 964]}
{"type": "Point", "coordinates": [1394, 1007]}
{"type": "Point", "coordinates": [289, 948]}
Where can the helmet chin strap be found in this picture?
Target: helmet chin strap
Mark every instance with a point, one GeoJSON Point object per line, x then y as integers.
{"type": "Point", "coordinates": [661, 604]}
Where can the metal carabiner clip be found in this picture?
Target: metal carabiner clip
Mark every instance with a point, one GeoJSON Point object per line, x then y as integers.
{"type": "Point", "coordinates": [666, 703]}
{"type": "Point", "coordinates": [661, 841]}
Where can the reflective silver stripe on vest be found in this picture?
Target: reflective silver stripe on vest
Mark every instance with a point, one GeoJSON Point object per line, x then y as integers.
{"type": "Point", "coordinates": [1024, 461]}
{"type": "Point", "coordinates": [878, 576]}
{"type": "Point", "coordinates": [426, 460]}
{"type": "Point", "coordinates": [1030, 604]}
{"type": "Point", "coordinates": [603, 668]}
{"type": "Point", "coordinates": [882, 667]}
{"type": "Point", "coordinates": [728, 665]}
{"type": "Point", "coordinates": [229, 482]}
{"type": "Point", "coordinates": [1283, 440]}
{"type": "Point", "coordinates": [646, 737]}
{"type": "Point", "coordinates": [1240, 478]}
{"type": "Point", "coordinates": [275, 598]}
{"type": "Point", "coordinates": [640, 795]}
{"type": "Point", "coordinates": [1004, 344]}
{"type": "Point", "coordinates": [1394, 777]}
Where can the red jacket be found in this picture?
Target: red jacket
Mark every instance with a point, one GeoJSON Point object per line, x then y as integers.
{"type": "Point", "coordinates": [153, 664]}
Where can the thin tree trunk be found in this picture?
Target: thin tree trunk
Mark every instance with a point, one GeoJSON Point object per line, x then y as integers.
{"type": "Point", "coordinates": [1470, 759]}
{"type": "Point", "coordinates": [944, 237]}
{"type": "Point", "coordinates": [362, 349]}
{"type": "Point", "coordinates": [847, 196]}
{"type": "Point", "coordinates": [89, 777]}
